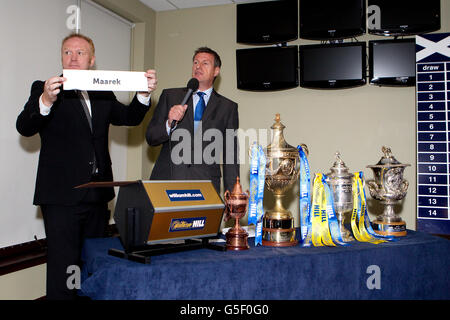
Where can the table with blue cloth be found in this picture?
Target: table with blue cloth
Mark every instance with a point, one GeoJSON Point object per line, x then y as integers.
{"type": "Point", "coordinates": [416, 266]}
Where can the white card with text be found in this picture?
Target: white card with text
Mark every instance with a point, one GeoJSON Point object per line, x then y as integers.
{"type": "Point", "coordinates": [102, 80]}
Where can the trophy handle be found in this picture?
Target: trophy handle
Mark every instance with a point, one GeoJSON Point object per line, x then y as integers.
{"type": "Point", "coordinates": [305, 148]}
{"type": "Point", "coordinates": [226, 195]}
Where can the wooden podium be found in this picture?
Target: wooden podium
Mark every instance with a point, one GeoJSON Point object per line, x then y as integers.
{"type": "Point", "coordinates": [149, 214]}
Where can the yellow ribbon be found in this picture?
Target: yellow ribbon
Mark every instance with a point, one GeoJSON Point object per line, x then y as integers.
{"type": "Point", "coordinates": [358, 226]}
{"type": "Point", "coordinates": [320, 229]}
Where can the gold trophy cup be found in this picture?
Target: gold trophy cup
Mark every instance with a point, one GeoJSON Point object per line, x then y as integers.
{"type": "Point", "coordinates": [282, 170]}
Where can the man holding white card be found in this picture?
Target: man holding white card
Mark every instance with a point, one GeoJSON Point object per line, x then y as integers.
{"type": "Point", "coordinates": [73, 126]}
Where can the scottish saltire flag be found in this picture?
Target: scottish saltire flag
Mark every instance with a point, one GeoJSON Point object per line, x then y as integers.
{"type": "Point", "coordinates": [433, 47]}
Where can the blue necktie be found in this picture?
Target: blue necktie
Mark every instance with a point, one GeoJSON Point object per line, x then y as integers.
{"type": "Point", "coordinates": [199, 109]}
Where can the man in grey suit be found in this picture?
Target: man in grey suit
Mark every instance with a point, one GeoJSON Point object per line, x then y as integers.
{"type": "Point", "coordinates": [196, 143]}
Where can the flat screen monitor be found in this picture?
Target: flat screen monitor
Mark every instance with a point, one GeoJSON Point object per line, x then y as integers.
{"type": "Point", "coordinates": [332, 19]}
{"type": "Point", "coordinates": [267, 22]}
{"type": "Point", "coordinates": [329, 66]}
{"type": "Point", "coordinates": [403, 17]}
{"type": "Point", "coordinates": [392, 62]}
{"type": "Point", "coordinates": [267, 68]}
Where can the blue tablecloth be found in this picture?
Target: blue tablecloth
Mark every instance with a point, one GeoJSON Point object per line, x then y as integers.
{"type": "Point", "coordinates": [415, 267]}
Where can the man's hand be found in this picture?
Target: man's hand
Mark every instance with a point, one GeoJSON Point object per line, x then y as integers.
{"type": "Point", "coordinates": [51, 90]}
{"type": "Point", "coordinates": [176, 113]}
{"type": "Point", "coordinates": [151, 81]}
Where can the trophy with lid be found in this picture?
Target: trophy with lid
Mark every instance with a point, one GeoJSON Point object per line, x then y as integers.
{"type": "Point", "coordinates": [389, 187]}
{"type": "Point", "coordinates": [340, 182]}
{"type": "Point", "coordinates": [282, 170]}
{"type": "Point", "coordinates": [236, 203]}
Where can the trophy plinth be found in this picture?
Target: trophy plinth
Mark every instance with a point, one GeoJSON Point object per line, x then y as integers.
{"type": "Point", "coordinates": [389, 188]}
{"type": "Point", "coordinates": [340, 182]}
{"type": "Point", "coordinates": [236, 204]}
{"type": "Point", "coordinates": [281, 172]}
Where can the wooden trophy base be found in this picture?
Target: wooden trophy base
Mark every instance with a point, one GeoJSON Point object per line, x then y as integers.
{"type": "Point", "coordinates": [396, 229]}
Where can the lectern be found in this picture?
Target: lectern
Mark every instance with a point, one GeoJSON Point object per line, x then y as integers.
{"type": "Point", "coordinates": [153, 216]}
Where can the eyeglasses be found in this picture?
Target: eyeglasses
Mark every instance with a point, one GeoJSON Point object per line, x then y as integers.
{"type": "Point", "coordinates": [79, 53]}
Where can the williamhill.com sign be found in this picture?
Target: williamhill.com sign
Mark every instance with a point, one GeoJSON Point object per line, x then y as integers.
{"type": "Point", "coordinates": [185, 195]}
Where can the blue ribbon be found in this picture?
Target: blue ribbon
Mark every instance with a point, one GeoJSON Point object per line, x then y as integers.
{"type": "Point", "coordinates": [305, 199]}
{"type": "Point", "coordinates": [257, 179]}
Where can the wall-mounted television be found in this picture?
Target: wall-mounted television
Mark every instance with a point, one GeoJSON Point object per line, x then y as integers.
{"type": "Point", "coordinates": [328, 66]}
{"type": "Point", "coordinates": [267, 68]}
{"type": "Point", "coordinates": [392, 62]}
{"type": "Point", "coordinates": [404, 17]}
{"type": "Point", "coordinates": [267, 22]}
{"type": "Point", "coordinates": [332, 19]}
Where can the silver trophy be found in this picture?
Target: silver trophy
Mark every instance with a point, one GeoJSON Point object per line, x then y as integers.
{"type": "Point", "coordinates": [340, 182]}
{"type": "Point", "coordinates": [389, 187]}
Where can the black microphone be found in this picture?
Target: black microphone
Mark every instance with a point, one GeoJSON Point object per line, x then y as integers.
{"type": "Point", "coordinates": [192, 86]}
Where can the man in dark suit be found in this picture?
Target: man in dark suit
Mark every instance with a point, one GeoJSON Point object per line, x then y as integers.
{"type": "Point", "coordinates": [73, 127]}
{"type": "Point", "coordinates": [200, 142]}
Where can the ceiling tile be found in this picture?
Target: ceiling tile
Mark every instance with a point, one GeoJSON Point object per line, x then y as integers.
{"type": "Point", "coordinates": [183, 4]}
{"type": "Point", "coordinates": [248, 1]}
{"type": "Point", "coordinates": [164, 5]}
{"type": "Point", "coordinates": [158, 5]}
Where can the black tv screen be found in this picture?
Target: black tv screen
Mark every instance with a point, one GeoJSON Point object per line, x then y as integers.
{"type": "Point", "coordinates": [328, 66]}
{"type": "Point", "coordinates": [404, 17]}
{"type": "Point", "coordinates": [392, 62]}
{"type": "Point", "coordinates": [332, 19]}
{"type": "Point", "coordinates": [268, 68]}
{"type": "Point", "coordinates": [267, 22]}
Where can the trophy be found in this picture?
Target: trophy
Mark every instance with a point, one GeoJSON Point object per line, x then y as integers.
{"type": "Point", "coordinates": [340, 182]}
{"type": "Point", "coordinates": [282, 170]}
{"type": "Point", "coordinates": [236, 204]}
{"type": "Point", "coordinates": [389, 187]}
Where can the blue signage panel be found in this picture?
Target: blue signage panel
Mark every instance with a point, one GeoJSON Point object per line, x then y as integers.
{"type": "Point", "coordinates": [185, 195]}
{"type": "Point", "coordinates": [185, 224]}
{"type": "Point", "coordinates": [433, 134]}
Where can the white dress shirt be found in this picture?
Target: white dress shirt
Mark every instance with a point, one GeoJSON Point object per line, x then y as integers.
{"type": "Point", "coordinates": [195, 99]}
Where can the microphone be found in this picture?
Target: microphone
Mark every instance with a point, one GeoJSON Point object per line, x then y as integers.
{"type": "Point", "coordinates": [192, 86]}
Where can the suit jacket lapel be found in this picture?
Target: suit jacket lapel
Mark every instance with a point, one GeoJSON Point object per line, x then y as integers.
{"type": "Point", "coordinates": [213, 103]}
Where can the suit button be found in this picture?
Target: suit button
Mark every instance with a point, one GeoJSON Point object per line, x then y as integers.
{"type": "Point", "coordinates": [91, 163]}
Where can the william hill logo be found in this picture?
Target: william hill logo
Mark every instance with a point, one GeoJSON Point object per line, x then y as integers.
{"type": "Point", "coordinates": [184, 224]}
{"type": "Point", "coordinates": [185, 195]}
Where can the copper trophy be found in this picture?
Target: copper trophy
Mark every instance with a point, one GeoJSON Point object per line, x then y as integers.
{"type": "Point", "coordinates": [236, 205]}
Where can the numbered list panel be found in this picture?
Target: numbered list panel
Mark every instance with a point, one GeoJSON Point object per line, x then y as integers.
{"type": "Point", "coordinates": [433, 139]}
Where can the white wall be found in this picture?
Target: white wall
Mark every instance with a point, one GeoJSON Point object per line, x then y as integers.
{"type": "Point", "coordinates": [32, 52]}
